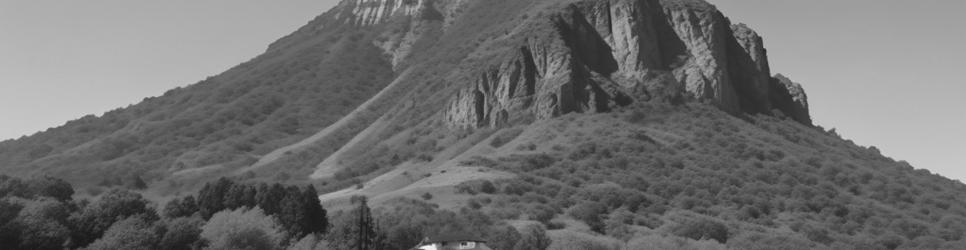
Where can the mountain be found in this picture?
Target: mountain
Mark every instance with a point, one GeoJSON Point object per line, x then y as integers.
{"type": "Point", "coordinates": [601, 119]}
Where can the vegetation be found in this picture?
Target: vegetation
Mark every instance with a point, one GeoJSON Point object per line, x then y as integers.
{"type": "Point", "coordinates": [707, 176]}
{"type": "Point", "coordinates": [242, 216]}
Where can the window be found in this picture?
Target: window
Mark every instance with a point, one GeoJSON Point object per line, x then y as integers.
{"type": "Point", "coordinates": [467, 245]}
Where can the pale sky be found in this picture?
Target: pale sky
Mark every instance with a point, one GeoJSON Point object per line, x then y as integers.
{"type": "Point", "coordinates": [886, 73]}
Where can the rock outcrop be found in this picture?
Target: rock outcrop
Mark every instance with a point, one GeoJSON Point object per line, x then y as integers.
{"type": "Point", "coordinates": [371, 12]}
{"type": "Point", "coordinates": [789, 98]}
{"type": "Point", "coordinates": [602, 54]}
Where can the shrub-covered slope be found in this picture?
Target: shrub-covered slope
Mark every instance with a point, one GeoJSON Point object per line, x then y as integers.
{"type": "Point", "coordinates": [655, 169]}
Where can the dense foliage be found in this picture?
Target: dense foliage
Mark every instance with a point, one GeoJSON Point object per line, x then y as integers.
{"type": "Point", "coordinates": [694, 172]}
{"type": "Point", "coordinates": [40, 214]}
{"type": "Point", "coordinates": [227, 215]}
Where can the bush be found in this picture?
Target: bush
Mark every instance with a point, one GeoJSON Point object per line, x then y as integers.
{"type": "Point", "coordinates": [505, 136]}
{"type": "Point", "coordinates": [504, 238]}
{"type": "Point", "coordinates": [756, 241]}
{"type": "Point", "coordinates": [533, 237]}
{"type": "Point", "coordinates": [242, 229]}
{"type": "Point", "coordinates": [657, 242]}
{"type": "Point", "coordinates": [568, 240]}
{"type": "Point", "coordinates": [703, 228]}
{"type": "Point", "coordinates": [589, 213]}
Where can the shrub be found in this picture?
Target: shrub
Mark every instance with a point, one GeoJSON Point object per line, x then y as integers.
{"type": "Point", "coordinates": [242, 229]}
{"type": "Point", "coordinates": [589, 213]}
{"type": "Point", "coordinates": [569, 240]}
{"type": "Point", "coordinates": [505, 136]}
{"type": "Point", "coordinates": [703, 228]}
{"type": "Point", "coordinates": [533, 237]}
{"type": "Point", "coordinates": [657, 242]}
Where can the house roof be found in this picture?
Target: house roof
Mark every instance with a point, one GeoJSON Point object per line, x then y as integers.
{"type": "Point", "coordinates": [451, 237]}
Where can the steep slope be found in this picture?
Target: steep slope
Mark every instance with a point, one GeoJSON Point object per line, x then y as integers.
{"type": "Point", "coordinates": [199, 132]}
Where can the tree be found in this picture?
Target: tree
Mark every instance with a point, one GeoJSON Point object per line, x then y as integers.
{"type": "Point", "coordinates": [316, 219]}
{"type": "Point", "coordinates": [41, 233]}
{"type": "Point", "coordinates": [301, 212]}
{"type": "Point", "coordinates": [534, 237]}
{"type": "Point", "coordinates": [403, 235]}
{"type": "Point", "coordinates": [234, 197]}
{"type": "Point", "coordinates": [181, 207]}
{"type": "Point", "coordinates": [504, 238]}
{"type": "Point", "coordinates": [91, 222]}
{"type": "Point", "coordinates": [134, 233]}
{"type": "Point", "coordinates": [211, 197]}
{"type": "Point", "coordinates": [51, 187]}
{"type": "Point", "coordinates": [40, 225]}
{"type": "Point", "coordinates": [182, 234]}
{"type": "Point", "coordinates": [269, 197]}
{"type": "Point", "coordinates": [9, 232]}
{"type": "Point", "coordinates": [11, 186]}
{"type": "Point", "coordinates": [242, 229]}
{"type": "Point", "coordinates": [292, 215]}
{"type": "Point", "coordinates": [356, 230]}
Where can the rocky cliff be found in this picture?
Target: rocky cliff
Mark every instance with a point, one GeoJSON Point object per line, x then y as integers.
{"type": "Point", "coordinates": [602, 54]}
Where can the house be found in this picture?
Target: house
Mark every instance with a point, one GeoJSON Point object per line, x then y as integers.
{"type": "Point", "coordinates": [453, 241]}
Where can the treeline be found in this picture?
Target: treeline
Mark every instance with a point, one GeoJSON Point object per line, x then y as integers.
{"type": "Point", "coordinates": [41, 214]}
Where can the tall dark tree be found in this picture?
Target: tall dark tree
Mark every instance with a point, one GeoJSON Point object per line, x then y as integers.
{"type": "Point", "coordinates": [249, 197]}
{"type": "Point", "coordinates": [315, 213]}
{"type": "Point", "coordinates": [292, 214]}
{"type": "Point", "coordinates": [356, 230]}
{"type": "Point", "coordinates": [269, 198]}
{"type": "Point", "coordinates": [235, 197]}
{"type": "Point", "coordinates": [211, 198]}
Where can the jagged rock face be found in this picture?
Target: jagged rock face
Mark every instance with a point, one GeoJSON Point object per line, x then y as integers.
{"type": "Point", "coordinates": [590, 56]}
{"type": "Point", "coordinates": [602, 54]}
{"type": "Point", "coordinates": [371, 12]}
{"type": "Point", "coordinates": [789, 98]}
{"type": "Point", "coordinates": [750, 70]}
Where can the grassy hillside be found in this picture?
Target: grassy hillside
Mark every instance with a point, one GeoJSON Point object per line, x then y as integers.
{"type": "Point", "coordinates": [654, 171]}
{"type": "Point", "coordinates": [190, 135]}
